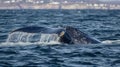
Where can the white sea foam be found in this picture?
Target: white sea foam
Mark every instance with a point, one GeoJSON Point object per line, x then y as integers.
{"type": "Point", "coordinates": [27, 43]}
{"type": "Point", "coordinates": [111, 42]}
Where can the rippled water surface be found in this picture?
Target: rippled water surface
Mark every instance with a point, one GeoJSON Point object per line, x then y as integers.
{"type": "Point", "coordinates": [101, 24]}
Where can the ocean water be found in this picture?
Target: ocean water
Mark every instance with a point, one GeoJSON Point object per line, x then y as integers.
{"type": "Point", "coordinates": [101, 24]}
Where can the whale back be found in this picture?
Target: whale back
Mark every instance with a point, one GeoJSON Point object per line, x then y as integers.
{"type": "Point", "coordinates": [79, 37]}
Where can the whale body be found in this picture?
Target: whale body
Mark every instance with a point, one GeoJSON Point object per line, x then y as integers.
{"type": "Point", "coordinates": [68, 34]}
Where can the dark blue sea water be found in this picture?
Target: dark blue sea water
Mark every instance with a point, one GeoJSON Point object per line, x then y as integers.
{"type": "Point", "coordinates": [101, 24]}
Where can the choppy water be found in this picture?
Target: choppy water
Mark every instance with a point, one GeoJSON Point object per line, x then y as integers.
{"type": "Point", "coordinates": [101, 24]}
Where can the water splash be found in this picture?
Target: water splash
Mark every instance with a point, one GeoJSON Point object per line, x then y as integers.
{"type": "Point", "coordinates": [33, 38]}
{"type": "Point", "coordinates": [111, 42]}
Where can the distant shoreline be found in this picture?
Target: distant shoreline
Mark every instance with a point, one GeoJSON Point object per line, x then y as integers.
{"type": "Point", "coordinates": [59, 10]}
{"type": "Point", "coordinates": [73, 6]}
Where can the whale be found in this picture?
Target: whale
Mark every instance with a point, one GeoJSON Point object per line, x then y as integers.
{"type": "Point", "coordinates": [67, 34]}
